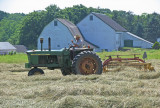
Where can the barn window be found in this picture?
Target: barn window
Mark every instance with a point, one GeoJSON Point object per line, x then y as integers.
{"type": "Point", "coordinates": [128, 43]}
{"type": "Point", "coordinates": [91, 18]}
{"type": "Point", "coordinates": [55, 23]}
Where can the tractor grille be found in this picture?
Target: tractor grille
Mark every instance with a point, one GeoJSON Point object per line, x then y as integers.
{"type": "Point", "coordinates": [42, 59]}
{"type": "Point", "coordinates": [47, 59]}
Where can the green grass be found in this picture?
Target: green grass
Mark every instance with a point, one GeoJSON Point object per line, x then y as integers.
{"type": "Point", "coordinates": [18, 58]}
{"type": "Point", "coordinates": [151, 53]}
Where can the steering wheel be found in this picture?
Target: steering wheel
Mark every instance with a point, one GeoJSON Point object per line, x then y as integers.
{"type": "Point", "coordinates": [71, 46]}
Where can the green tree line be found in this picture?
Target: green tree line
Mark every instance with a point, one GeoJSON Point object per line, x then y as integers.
{"type": "Point", "coordinates": [25, 29]}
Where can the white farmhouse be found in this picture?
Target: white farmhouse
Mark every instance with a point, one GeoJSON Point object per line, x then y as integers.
{"type": "Point", "coordinates": [61, 32]}
{"type": "Point", "coordinates": [6, 47]}
{"type": "Point", "coordinates": [108, 35]}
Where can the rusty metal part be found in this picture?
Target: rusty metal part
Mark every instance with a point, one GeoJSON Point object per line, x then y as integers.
{"type": "Point", "coordinates": [88, 66]}
{"type": "Point", "coordinates": [118, 63]}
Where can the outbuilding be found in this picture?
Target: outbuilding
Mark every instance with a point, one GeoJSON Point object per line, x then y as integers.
{"type": "Point", "coordinates": [6, 47]}
{"type": "Point", "coordinates": [20, 48]}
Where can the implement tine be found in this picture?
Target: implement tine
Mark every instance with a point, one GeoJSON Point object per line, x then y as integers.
{"type": "Point", "coordinates": [118, 62]}
{"type": "Point", "coordinates": [123, 55]}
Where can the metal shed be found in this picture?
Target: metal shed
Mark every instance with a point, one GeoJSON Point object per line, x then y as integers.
{"type": "Point", "coordinates": [20, 48]}
{"type": "Point", "coordinates": [6, 47]}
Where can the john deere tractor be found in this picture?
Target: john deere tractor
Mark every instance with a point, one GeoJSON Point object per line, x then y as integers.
{"type": "Point", "coordinates": [70, 60]}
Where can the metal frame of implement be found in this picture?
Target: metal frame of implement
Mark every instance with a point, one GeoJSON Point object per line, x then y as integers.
{"type": "Point", "coordinates": [133, 62]}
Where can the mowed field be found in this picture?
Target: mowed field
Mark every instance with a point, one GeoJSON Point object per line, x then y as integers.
{"type": "Point", "coordinates": [128, 88]}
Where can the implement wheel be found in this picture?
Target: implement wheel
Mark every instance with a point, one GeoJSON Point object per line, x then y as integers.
{"type": "Point", "coordinates": [86, 63]}
{"type": "Point", "coordinates": [35, 71]}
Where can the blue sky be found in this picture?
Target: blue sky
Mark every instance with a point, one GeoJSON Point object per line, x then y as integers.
{"type": "Point", "coordinates": [136, 6]}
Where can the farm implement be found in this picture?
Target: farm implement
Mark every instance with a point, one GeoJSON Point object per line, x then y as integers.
{"type": "Point", "coordinates": [117, 63]}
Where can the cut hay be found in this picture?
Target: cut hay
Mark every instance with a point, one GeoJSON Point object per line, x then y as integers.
{"type": "Point", "coordinates": [124, 89]}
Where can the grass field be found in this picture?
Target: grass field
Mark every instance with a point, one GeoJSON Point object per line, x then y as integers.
{"type": "Point", "coordinates": [151, 54]}
{"type": "Point", "coordinates": [17, 58]}
{"type": "Point", "coordinates": [129, 88]}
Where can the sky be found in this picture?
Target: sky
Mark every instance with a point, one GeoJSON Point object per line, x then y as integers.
{"type": "Point", "coordinates": [136, 6]}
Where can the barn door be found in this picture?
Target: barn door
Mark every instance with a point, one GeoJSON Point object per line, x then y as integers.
{"type": "Point", "coordinates": [128, 43]}
{"type": "Point", "coordinates": [118, 41]}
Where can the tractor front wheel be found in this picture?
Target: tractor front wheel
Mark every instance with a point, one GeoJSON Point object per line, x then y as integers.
{"type": "Point", "coordinates": [86, 63]}
{"type": "Point", "coordinates": [66, 71]}
{"type": "Point", "coordinates": [35, 71]}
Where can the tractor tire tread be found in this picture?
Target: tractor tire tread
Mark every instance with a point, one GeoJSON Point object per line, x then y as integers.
{"type": "Point", "coordinates": [83, 54]}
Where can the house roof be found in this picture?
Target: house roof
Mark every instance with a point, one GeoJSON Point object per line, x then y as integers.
{"type": "Point", "coordinates": [20, 48]}
{"type": "Point", "coordinates": [74, 29]}
{"type": "Point", "coordinates": [113, 24]}
{"type": "Point", "coordinates": [6, 46]}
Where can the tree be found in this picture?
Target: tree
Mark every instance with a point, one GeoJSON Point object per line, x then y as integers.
{"type": "Point", "coordinates": [3, 15]}
{"type": "Point", "coordinates": [31, 28]}
{"type": "Point", "coordinates": [152, 30]}
{"type": "Point", "coordinates": [51, 13]}
{"type": "Point", "coordinates": [10, 27]}
{"type": "Point", "coordinates": [156, 45]}
{"type": "Point", "coordinates": [139, 30]}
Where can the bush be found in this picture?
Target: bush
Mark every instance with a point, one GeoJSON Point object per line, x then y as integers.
{"type": "Point", "coordinates": [156, 45]}
{"type": "Point", "coordinates": [11, 53]}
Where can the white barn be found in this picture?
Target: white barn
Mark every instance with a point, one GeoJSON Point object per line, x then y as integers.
{"type": "Point", "coordinates": [108, 35]}
{"type": "Point", "coordinates": [6, 47]}
{"type": "Point", "coordinates": [61, 32]}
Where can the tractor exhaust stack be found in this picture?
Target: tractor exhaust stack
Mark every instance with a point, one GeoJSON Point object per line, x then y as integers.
{"type": "Point", "coordinates": [41, 41]}
{"type": "Point", "coordinates": [49, 44]}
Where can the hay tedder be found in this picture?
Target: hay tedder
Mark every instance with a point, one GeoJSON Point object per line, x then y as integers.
{"type": "Point", "coordinates": [117, 63]}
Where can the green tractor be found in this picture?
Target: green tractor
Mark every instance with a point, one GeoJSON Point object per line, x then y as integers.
{"type": "Point", "coordinates": [70, 60]}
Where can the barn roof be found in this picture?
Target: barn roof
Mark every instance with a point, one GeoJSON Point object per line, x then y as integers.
{"type": "Point", "coordinates": [113, 24]}
{"type": "Point", "coordinates": [73, 29]}
{"type": "Point", "coordinates": [139, 38]}
{"type": "Point", "coordinates": [20, 48]}
{"type": "Point", "coordinates": [6, 46]}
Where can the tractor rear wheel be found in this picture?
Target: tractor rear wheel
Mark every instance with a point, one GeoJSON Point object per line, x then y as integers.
{"type": "Point", "coordinates": [86, 63]}
{"type": "Point", "coordinates": [35, 71]}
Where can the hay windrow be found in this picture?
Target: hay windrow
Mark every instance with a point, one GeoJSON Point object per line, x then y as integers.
{"type": "Point", "coordinates": [127, 88]}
